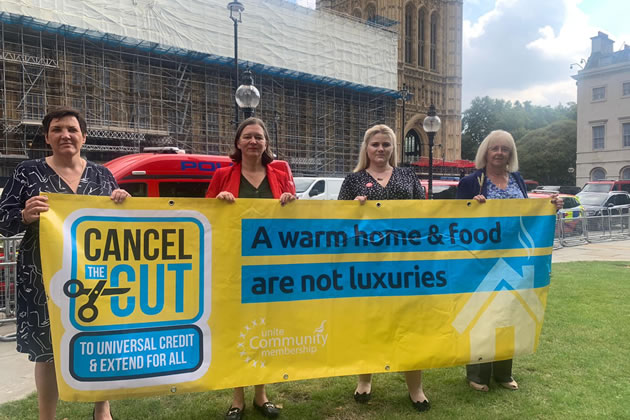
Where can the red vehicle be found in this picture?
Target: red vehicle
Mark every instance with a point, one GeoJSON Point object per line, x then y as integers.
{"type": "Point", "coordinates": [169, 173]}
{"type": "Point", "coordinates": [607, 186]}
{"type": "Point", "coordinates": [531, 184]}
{"type": "Point", "coordinates": [442, 189]}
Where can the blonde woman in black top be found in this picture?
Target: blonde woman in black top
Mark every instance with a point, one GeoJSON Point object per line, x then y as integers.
{"type": "Point", "coordinates": [376, 177]}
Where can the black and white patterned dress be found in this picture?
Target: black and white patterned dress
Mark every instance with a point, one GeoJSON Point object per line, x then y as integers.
{"type": "Point", "coordinates": [29, 179]}
{"type": "Point", "coordinates": [402, 185]}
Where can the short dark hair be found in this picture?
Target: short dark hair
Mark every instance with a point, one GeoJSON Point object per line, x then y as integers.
{"type": "Point", "coordinates": [236, 154]}
{"type": "Point", "coordinates": [61, 112]}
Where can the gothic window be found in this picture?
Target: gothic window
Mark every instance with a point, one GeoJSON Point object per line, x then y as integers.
{"type": "Point", "coordinates": [357, 13]}
{"type": "Point", "coordinates": [434, 29]}
{"type": "Point", "coordinates": [412, 147]}
{"type": "Point", "coordinates": [370, 12]}
{"type": "Point", "coordinates": [409, 15]}
{"type": "Point", "coordinates": [421, 36]}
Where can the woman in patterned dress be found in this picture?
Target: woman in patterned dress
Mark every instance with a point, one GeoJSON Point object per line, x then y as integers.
{"type": "Point", "coordinates": [496, 178]}
{"type": "Point", "coordinates": [20, 207]}
{"type": "Point", "coordinates": [376, 177]}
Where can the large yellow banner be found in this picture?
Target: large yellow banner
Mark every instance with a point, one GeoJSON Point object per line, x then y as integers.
{"type": "Point", "coordinates": [159, 296]}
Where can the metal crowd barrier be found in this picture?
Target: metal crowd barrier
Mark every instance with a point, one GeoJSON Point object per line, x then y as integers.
{"type": "Point", "coordinates": [582, 230]}
{"type": "Point", "coordinates": [8, 278]}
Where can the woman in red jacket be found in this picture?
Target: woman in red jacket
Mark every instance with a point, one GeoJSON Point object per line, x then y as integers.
{"type": "Point", "coordinates": [251, 177]}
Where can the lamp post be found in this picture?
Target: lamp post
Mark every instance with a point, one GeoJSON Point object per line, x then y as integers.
{"type": "Point", "coordinates": [247, 96]}
{"type": "Point", "coordinates": [236, 8]}
{"type": "Point", "coordinates": [431, 125]}
{"type": "Point", "coordinates": [405, 95]}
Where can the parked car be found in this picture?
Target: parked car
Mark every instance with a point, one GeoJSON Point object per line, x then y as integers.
{"type": "Point", "coordinates": [530, 184]}
{"type": "Point", "coordinates": [612, 203]}
{"type": "Point", "coordinates": [561, 189]}
{"type": "Point", "coordinates": [571, 207]}
{"type": "Point", "coordinates": [313, 188]}
{"type": "Point", "coordinates": [606, 186]}
{"type": "Point", "coordinates": [442, 189]}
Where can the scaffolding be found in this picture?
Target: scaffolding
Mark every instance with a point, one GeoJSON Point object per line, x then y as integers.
{"type": "Point", "coordinates": [133, 98]}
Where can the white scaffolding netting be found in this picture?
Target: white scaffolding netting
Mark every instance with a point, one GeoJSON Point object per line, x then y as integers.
{"type": "Point", "coordinates": [273, 33]}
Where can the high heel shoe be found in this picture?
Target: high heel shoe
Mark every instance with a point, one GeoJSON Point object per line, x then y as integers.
{"type": "Point", "coordinates": [420, 406]}
{"type": "Point", "coordinates": [363, 397]}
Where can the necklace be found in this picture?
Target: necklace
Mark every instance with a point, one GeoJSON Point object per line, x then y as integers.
{"type": "Point", "coordinates": [381, 177]}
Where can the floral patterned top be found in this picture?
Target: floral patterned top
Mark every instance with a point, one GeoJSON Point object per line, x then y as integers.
{"type": "Point", "coordinates": [402, 185]}
{"type": "Point", "coordinates": [512, 190]}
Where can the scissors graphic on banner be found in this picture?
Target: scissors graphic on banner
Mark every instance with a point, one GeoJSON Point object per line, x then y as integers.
{"type": "Point", "coordinates": [92, 294]}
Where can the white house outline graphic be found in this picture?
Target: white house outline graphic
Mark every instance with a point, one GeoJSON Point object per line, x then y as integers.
{"type": "Point", "coordinates": [505, 310]}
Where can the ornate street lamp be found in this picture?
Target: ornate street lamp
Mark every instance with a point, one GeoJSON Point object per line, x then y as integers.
{"type": "Point", "coordinates": [431, 125]}
{"type": "Point", "coordinates": [236, 8]}
{"type": "Point", "coordinates": [405, 95]}
{"type": "Point", "coordinates": [247, 96]}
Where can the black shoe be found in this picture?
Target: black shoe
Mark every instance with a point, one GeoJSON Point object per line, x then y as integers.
{"type": "Point", "coordinates": [362, 398]}
{"type": "Point", "coordinates": [268, 409]}
{"type": "Point", "coordinates": [234, 413]}
{"type": "Point", "coordinates": [420, 406]}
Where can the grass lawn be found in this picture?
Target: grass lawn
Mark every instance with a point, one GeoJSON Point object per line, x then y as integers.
{"type": "Point", "coordinates": [581, 370]}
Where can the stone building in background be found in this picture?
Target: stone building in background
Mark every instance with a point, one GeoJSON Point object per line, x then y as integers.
{"type": "Point", "coordinates": [429, 65]}
{"type": "Point", "coordinates": [160, 73]}
{"type": "Point", "coordinates": [603, 123]}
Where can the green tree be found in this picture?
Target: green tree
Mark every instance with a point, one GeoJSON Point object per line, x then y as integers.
{"type": "Point", "coordinates": [477, 121]}
{"type": "Point", "coordinates": [519, 118]}
{"type": "Point", "coordinates": [546, 154]}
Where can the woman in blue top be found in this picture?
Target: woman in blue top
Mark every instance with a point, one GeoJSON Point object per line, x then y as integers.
{"type": "Point", "coordinates": [496, 178]}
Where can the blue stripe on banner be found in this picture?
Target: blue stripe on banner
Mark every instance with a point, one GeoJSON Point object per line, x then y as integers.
{"type": "Point", "coordinates": [290, 282]}
{"type": "Point", "coordinates": [261, 237]}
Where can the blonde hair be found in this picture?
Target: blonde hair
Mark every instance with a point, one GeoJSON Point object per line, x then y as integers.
{"type": "Point", "coordinates": [497, 136]}
{"type": "Point", "coordinates": [364, 161]}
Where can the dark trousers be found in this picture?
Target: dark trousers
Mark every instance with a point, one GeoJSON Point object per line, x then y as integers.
{"type": "Point", "coordinates": [480, 373]}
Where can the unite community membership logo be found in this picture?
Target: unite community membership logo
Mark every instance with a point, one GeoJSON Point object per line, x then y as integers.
{"type": "Point", "coordinates": [259, 342]}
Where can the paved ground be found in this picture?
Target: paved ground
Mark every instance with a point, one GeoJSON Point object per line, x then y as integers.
{"type": "Point", "coordinates": [600, 251]}
{"type": "Point", "coordinates": [18, 371]}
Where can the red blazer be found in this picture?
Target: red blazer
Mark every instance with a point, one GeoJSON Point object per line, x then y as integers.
{"type": "Point", "coordinates": [229, 179]}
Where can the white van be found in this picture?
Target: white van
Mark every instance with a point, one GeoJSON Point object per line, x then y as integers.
{"type": "Point", "coordinates": [312, 188]}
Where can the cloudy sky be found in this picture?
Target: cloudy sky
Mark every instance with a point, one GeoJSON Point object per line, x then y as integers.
{"type": "Point", "coordinates": [522, 49]}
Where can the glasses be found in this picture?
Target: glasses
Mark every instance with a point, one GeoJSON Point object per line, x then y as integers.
{"type": "Point", "coordinates": [504, 149]}
{"type": "Point", "coordinates": [248, 137]}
